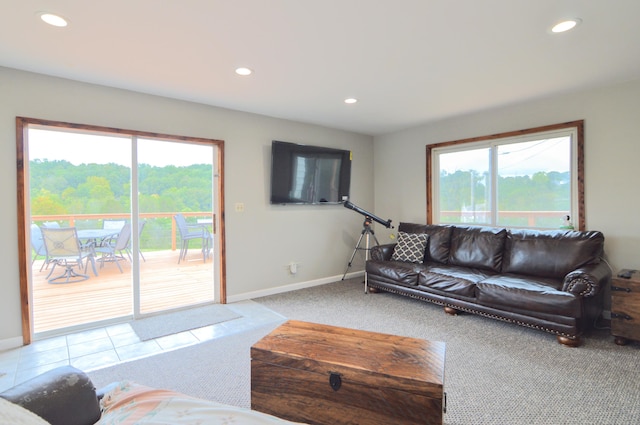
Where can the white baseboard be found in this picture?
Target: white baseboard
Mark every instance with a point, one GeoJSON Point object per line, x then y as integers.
{"type": "Point", "coordinates": [291, 287]}
{"type": "Point", "coordinates": [10, 343]}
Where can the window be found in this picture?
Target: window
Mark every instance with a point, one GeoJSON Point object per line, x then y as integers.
{"type": "Point", "coordinates": [528, 179]}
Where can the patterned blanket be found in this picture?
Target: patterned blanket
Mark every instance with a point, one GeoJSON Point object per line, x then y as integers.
{"type": "Point", "coordinates": [131, 403]}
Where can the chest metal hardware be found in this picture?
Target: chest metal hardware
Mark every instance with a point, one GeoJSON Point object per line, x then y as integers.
{"type": "Point", "coordinates": [335, 381]}
{"type": "Point", "coordinates": [617, 288]}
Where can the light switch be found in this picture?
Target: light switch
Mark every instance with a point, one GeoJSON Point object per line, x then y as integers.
{"type": "Point", "coordinates": [239, 207]}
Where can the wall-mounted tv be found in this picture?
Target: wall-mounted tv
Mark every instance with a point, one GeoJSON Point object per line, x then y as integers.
{"type": "Point", "coordinates": [303, 174]}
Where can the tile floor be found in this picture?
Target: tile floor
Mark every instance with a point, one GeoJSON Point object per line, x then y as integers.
{"type": "Point", "coordinates": [103, 347]}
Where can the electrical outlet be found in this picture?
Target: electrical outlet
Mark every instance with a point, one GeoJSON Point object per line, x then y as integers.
{"type": "Point", "coordinates": [293, 267]}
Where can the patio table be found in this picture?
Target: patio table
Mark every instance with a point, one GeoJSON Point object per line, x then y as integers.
{"type": "Point", "coordinates": [96, 235]}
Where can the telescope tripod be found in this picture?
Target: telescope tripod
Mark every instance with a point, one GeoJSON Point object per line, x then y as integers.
{"type": "Point", "coordinates": [366, 234]}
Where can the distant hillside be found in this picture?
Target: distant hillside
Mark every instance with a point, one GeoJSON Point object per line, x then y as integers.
{"type": "Point", "coordinates": [59, 187]}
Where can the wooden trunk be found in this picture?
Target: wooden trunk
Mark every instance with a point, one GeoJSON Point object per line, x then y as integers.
{"type": "Point", "coordinates": [320, 374]}
{"type": "Point", "coordinates": [625, 308]}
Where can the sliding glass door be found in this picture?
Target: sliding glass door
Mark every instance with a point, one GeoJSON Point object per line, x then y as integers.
{"type": "Point", "coordinates": [175, 177]}
{"type": "Point", "coordinates": [144, 209]}
{"type": "Point", "coordinates": [81, 181]}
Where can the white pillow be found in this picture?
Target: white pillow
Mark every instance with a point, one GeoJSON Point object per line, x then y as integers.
{"type": "Point", "coordinates": [410, 247]}
{"type": "Point", "coordinates": [15, 414]}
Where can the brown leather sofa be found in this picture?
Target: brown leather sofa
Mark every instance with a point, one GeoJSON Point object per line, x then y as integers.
{"type": "Point", "coordinates": [66, 396]}
{"type": "Point", "coordinates": [62, 396]}
{"type": "Point", "coordinates": [547, 280]}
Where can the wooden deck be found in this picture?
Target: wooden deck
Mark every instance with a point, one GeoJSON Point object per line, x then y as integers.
{"type": "Point", "coordinates": [165, 284]}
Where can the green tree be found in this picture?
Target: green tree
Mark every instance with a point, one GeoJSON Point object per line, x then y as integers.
{"type": "Point", "coordinates": [45, 203]}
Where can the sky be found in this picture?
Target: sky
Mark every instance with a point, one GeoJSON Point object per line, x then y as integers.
{"type": "Point", "coordinates": [514, 159]}
{"type": "Point", "coordinates": [82, 148]}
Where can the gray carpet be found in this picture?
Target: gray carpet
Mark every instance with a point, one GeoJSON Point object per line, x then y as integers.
{"type": "Point", "coordinates": [496, 373]}
{"type": "Point", "coordinates": [183, 320]}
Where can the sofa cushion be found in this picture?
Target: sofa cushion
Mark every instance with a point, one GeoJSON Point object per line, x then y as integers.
{"type": "Point", "coordinates": [410, 247]}
{"type": "Point", "coordinates": [524, 293]}
{"type": "Point", "coordinates": [449, 280]}
{"type": "Point", "coordinates": [480, 247]}
{"type": "Point", "coordinates": [396, 272]}
{"type": "Point", "coordinates": [551, 253]}
{"type": "Point", "coordinates": [439, 239]}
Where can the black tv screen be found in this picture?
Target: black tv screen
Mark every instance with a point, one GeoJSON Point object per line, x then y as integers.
{"type": "Point", "coordinates": [302, 174]}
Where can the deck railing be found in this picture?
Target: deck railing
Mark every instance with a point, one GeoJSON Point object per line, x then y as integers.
{"type": "Point", "coordinates": [533, 219]}
{"type": "Point", "coordinates": [73, 219]}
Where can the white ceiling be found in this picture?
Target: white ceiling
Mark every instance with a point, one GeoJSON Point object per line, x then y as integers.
{"type": "Point", "coordinates": [407, 61]}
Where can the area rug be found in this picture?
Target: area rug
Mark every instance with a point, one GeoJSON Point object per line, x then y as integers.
{"type": "Point", "coordinates": [180, 321]}
{"type": "Point", "coordinates": [496, 373]}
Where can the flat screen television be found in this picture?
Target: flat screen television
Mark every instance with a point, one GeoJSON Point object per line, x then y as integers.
{"type": "Point", "coordinates": [303, 174]}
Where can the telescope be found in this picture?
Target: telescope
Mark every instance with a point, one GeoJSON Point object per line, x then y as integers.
{"type": "Point", "coordinates": [351, 206]}
{"type": "Point", "coordinates": [367, 231]}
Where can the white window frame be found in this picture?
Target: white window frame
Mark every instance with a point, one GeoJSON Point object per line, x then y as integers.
{"type": "Point", "coordinates": [574, 129]}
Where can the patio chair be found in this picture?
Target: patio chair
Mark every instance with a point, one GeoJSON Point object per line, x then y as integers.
{"type": "Point", "coordinates": [37, 242]}
{"type": "Point", "coordinates": [37, 245]}
{"type": "Point", "coordinates": [113, 224]}
{"type": "Point", "coordinates": [63, 249]}
{"type": "Point", "coordinates": [140, 227]}
{"type": "Point", "coordinates": [189, 233]}
{"type": "Point", "coordinates": [114, 249]}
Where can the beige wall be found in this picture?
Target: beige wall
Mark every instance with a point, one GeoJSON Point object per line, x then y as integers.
{"type": "Point", "coordinates": [261, 241]}
{"type": "Point", "coordinates": [612, 158]}
{"type": "Point", "coordinates": [264, 239]}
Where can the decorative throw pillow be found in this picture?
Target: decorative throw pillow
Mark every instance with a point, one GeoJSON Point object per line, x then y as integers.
{"type": "Point", "coordinates": [410, 247]}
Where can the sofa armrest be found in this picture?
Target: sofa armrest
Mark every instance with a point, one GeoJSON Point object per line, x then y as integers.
{"type": "Point", "coordinates": [587, 280]}
{"type": "Point", "coordinates": [62, 396]}
{"type": "Point", "coordinates": [382, 252]}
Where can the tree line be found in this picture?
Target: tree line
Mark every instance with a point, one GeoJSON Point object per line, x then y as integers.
{"type": "Point", "coordinates": [60, 187]}
{"type": "Point", "coordinates": [542, 191]}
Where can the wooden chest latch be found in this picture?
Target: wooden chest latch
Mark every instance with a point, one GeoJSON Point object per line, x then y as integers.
{"type": "Point", "coordinates": [618, 288]}
{"type": "Point", "coordinates": [335, 381]}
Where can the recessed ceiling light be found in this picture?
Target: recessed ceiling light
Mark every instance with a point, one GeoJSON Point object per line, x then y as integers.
{"type": "Point", "coordinates": [350, 100]}
{"type": "Point", "coordinates": [55, 20]}
{"type": "Point", "coordinates": [565, 25]}
{"type": "Point", "coordinates": [243, 71]}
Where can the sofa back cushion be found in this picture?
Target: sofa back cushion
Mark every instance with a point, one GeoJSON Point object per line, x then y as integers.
{"type": "Point", "coordinates": [551, 253]}
{"type": "Point", "coordinates": [438, 243]}
{"type": "Point", "coordinates": [480, 247]}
